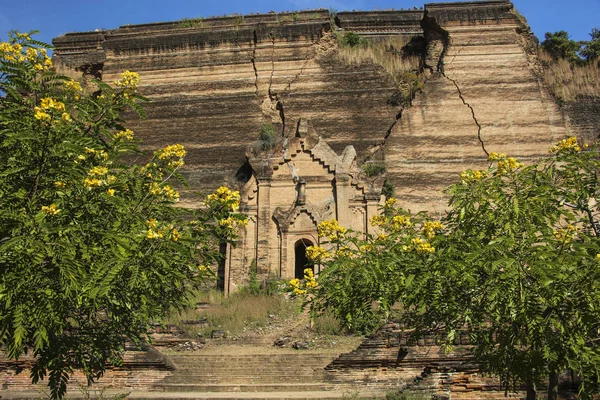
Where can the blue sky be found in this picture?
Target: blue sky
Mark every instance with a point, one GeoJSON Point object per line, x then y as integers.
{"type": "Point", "coordinates": [54, 18]}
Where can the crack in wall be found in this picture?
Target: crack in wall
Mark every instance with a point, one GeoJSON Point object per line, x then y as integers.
{"type": "Point", "coordinates": [253, 61]}
{"type": "Point", "coordinates": [309, 56]}
{"type": "Point", "coordinates": [460, 95]}
{"type": "Point", "coordinates": [272, 36]}
{"type": "Point", "coordinates": [432, 25]}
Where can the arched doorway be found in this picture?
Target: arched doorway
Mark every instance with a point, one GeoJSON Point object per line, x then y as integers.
{"type": "Point", "coordinates": [301, 261]}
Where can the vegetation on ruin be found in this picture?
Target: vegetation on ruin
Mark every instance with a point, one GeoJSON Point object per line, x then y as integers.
{"type": "Point", "coordinates": [373, 168]}
{"type": "Point", "coordinates": [235, 314]}
{"type": "Point", "coordinates": [91, 248]}
{"type": "Point", "coordinates": [571, 68]}
{"type": "Point", "coordinates": [267, 138]}
{"type": "Point", "coordinates": [398, 56]}
{"type": "Point", "coordinates": [515, 263]}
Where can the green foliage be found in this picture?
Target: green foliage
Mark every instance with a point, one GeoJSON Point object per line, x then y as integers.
{"type": "Point", "coordinates": [352, 39]}
{"type": "Point", "coordinates": [192, 22]}
{"type": "Point", "coordinates": [372, 168]}
{"type": "Point", "coordinates": [238, 20]}
{"type": "Point", "coordinates": [253, 286]}
{"type": "Point", "coordinates": [267, 138]}
{"type": "Point", "coordinates": [388, 189]}
{"type": "Point", "coordinates": [591, 49]}
{"type": "Point", "coordinates": [517, 266]}
{"type": "Point", "coordinates": [91, 247]}
{"type": "Point", "coordinates": [558, 45]}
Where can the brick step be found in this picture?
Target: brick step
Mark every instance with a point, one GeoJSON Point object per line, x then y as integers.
{"type": "Point", "coordinates": [238, 379]}
{"type": "Point", "coordinates": [248, 387]}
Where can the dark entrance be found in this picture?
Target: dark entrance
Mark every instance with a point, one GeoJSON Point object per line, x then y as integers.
{"type": "Point", "coordinates": [302, 261]}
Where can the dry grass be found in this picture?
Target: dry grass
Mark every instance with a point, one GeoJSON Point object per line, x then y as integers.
{"type": "Point", "coordinates": [235, 314]}
{"type": "Point", "coordinates": [386, 53]}
{"type": "Point", "coordinates": [566, 82]}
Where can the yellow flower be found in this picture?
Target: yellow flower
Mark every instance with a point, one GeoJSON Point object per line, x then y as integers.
{"type": "Point", "coordinates": [17, 48]}
{"type": "Point", "coordinates": [98, 171]}
{"type": "Point", "coordinates": [151, 223]}
{"type": "Point", "coordinates": [66, 117]}
{"type": "Point", "coordinates": [152, 234]}
{"type": "Point", "coordinates": [48, 103]}
{"type": "Point", "coordinates": [171, 151]}
{"type": "Point", "coordinates": [507, 165]}
{"type": "Point", "coordinates": [317, 253]}
{"type": "Point", "coordinates": [496, 156]}
{"type": "Point", "coordinates": [401, 221]}
{"type": "Point", "coordinates": [5, 47]}
{"type": "Point", "coordinates": [331, 230]}
{"type": "Point", "coordinates": [73, 85]}
{"type": "Point", "coordinates": [294, 283]}
{"type": "Point", "coordinates": [391, 202]}
{"type": "Point", "coordinates": [421, 246]}
{"type": "Point", "coordinates": [92, 182]}
{"type": "Point", "coordinates": [154, 189]}
{"type": "Point", "coordinates": [50, 210]}
{"type": "Point", "coordinates": [39, 67]}
{"type": "Point", "coordinates": [472, 176]}
{"type": "Point", "coordinates": [175, 235]}
{"type": "Point", "coordinates": [299, 291]}
{"type": "Point", "coordinates": [565, 235]}
{"type": "Point", "coordinates": [41, 115]}
{"type": "Point", "coordinates": [127, 134]}
{"type": "Point", "coordinates": [31, 53]}
{"type": "Point", "coordinates": [128, 80]}
{"type": "Point", "coordinates": [566, 144]}
{"type": "Point", "coordinates": [111, 192]}
{"type": "Point", "coordinates": [227, 222]}
{"type": "Point", "coordinates": [60, 184]}
{"type": "Point", "coordinates": [170, 193]}
{"type": "Point", "coordinates": [430, 227]}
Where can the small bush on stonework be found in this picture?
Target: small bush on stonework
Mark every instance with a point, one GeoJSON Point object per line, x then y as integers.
{"type": "Point", "coordinates": [352, 39]}
{"type": "Point", "coordinates": [388, 189]}
{"type": "Point", "coordinates": [253, 286]}
{"type": "Point", "coordinates": [373, 168]}
{"type": "Point", "coordinates": [267, 137]}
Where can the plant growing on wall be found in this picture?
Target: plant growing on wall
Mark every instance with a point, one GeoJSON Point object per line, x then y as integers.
{"type": "Point", "coordinates": [515, 263]}
{"type": "Point", "coordinates": [267, 138]}
{"type": "Point", "coordinates": [91, 247]}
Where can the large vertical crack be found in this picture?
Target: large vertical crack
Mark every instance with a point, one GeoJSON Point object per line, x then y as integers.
{"type": "Point", "coordinates": [253, 60]}
{"type": "Point", "coordinates": [460, 95]}
{"type": "Point", "coordinates": [434, 32]}
{"type": "Point", "coordinates": [272, 36]}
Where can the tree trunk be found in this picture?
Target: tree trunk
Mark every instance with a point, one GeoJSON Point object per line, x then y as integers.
{"type": "Point", "coordinates": [531, 394]}
{"type": "Point", "coordinates": [553, 386]}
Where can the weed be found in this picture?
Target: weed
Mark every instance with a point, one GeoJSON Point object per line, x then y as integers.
{"type": "Point", "coordinates": [191, 23]}
{"type": "Point", "coordinates": [373, 168]}
{"type": "Point", "coordinates": [327, 324]}
{"type": "Point", "coordinates": [409, 395]}
{"type": "Point", "coordinates": [566, 81]}
{"type": "Point", "coordinates": [388, 189]}
{"type": "Point", "coordinates": [236, 313]}
{"type": "Point", "coordinates": [267, 138]}
{"type": "Point", "coordinates": [238, 20]}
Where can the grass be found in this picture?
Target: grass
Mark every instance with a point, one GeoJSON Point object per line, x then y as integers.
{"type": "Point", "coordinates": [386, 53]}
{"type": "Point", "coordinates": [235, 314]}
{"type": "Point", "coordinates": [326, 324]}
{"type": "Point", "coordinates": [567, 82]}
{"type": "Point", "coordinates": [395, 55]}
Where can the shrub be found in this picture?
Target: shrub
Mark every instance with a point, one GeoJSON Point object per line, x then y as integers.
{"type": "Point", "coordinates": [267, 137]}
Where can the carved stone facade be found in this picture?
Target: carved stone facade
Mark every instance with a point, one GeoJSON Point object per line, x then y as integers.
{"type": "Point", "coordinates": [292, 188]}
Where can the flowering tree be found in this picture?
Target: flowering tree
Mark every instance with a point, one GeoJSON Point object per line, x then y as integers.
{"type": "Point", "coordinates": [91, 247]}
{"type": "Point", "coordinates": [516, 265]}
